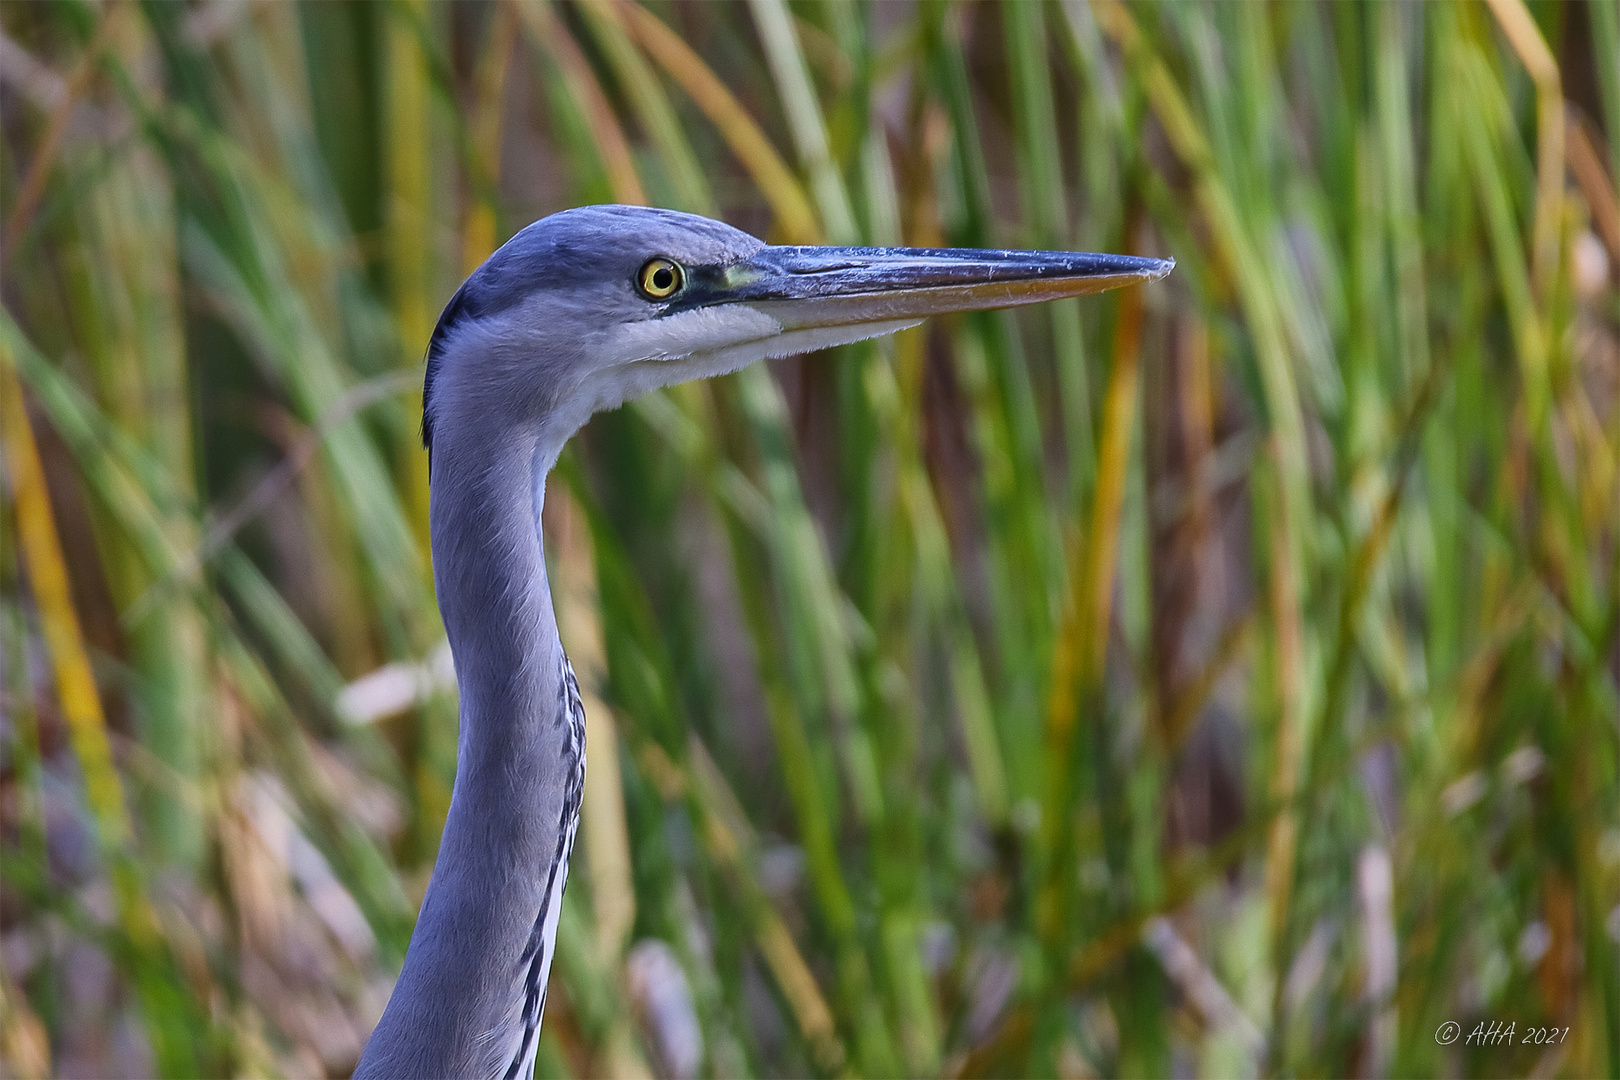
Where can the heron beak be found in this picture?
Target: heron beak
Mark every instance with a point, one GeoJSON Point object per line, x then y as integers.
{"type": "Point", "coordinates": [806, 288]}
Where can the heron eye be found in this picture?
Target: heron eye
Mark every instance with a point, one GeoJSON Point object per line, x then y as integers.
{"type": "Point", "coordinates": [660, 279]}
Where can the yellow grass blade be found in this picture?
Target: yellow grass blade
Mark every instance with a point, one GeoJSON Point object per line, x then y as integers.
{"type": "Point", "coordinates": [76, 692]}
{"type": "Point", "coordinates": [547, 32]}
{"type": "Point", "coordinates": [794, 218]}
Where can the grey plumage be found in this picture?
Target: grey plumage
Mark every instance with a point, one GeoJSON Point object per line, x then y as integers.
{"type": "Point", "coordinates": [543, 935]}
{"type": "Point", "coordinates": [578, 313]}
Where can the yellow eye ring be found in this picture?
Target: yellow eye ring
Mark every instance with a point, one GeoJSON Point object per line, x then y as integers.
{"type": "Point", "coordinates": [660, 279]}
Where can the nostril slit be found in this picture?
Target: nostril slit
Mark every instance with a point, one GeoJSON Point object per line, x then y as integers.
{"type": "Point", "coordinates": [825, 268]}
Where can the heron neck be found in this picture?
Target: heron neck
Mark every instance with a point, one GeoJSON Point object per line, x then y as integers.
{"type": "Point", "coordinates": [489, 571]}
{"type": "Point", "coordinates": [470, 958]}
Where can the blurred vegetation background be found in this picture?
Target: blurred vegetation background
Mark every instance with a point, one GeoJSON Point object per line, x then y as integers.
{"type": "Point", "coordinates": [1218, 677]}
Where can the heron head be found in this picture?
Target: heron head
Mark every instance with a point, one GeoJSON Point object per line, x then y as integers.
{"type": "Point", "coordinates": [590, 307]}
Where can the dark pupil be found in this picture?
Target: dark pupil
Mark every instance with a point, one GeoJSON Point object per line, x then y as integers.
{"type": "Point", "coordinates": [662, 278]}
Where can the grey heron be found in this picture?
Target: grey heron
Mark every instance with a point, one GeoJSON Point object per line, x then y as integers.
{"type": "Point", "coordinates": [577, 313]}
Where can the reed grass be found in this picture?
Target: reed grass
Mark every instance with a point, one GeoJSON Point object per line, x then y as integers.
{"type": "Point", "coordinates": [1221, 677]}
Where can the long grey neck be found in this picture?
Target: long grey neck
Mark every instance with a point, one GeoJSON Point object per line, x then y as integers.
{"type": "Point", "coordinates": [469, 998]}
